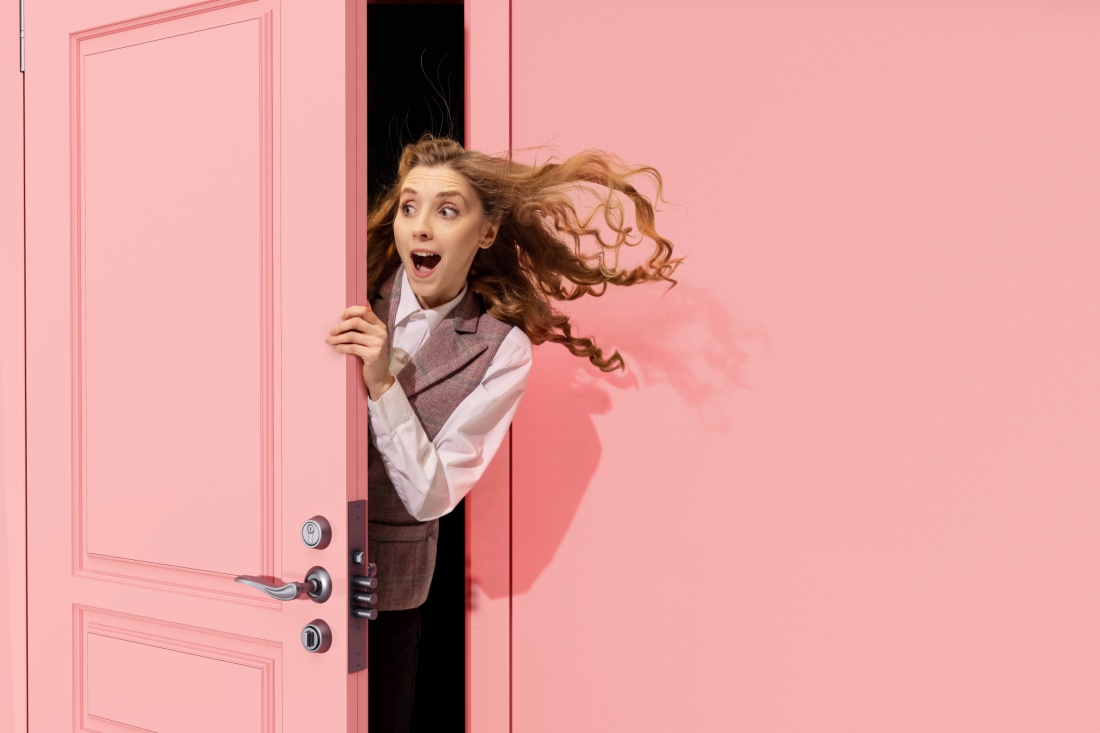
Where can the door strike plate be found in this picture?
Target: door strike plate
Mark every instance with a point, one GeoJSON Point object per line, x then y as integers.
{"type": "Point", "coordinates": [357, 542]}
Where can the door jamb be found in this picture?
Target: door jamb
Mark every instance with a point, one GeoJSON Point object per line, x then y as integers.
{"type": "Point", "coordinates": [13, 426]}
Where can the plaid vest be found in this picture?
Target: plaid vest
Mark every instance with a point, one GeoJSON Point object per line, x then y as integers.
{"type": "Point", "coordinates": [446, 368]}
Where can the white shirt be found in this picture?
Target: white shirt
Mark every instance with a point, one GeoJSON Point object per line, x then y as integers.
{"type": "Point", "coordinates": [432, 476]}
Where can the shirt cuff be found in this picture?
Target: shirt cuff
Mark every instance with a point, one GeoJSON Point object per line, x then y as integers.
{"type": "Point", "coordinates": [390, 410]}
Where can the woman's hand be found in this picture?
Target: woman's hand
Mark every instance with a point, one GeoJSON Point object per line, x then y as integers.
{"type": "Point", "coordinates": [363, 334]}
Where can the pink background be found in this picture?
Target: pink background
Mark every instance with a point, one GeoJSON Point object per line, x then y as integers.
{"type": "Point", "coordinates": [849, 483]}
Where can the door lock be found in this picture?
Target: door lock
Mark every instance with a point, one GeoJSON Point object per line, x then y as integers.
{"type": "Point", "coordinates": [316, 532]}
{"type": "Point", "coordinates": [316, 636]}
{"type": "Point", "coordinates": [359, 595]}
{"type": "Point", "coordinates": [359, 582]}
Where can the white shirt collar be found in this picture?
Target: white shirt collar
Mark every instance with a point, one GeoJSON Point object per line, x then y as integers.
{"type": "Point", "coordinates": [410, 305]}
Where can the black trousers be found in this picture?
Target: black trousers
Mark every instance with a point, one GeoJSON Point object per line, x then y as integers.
{"type": "Point", "coordinates": [393, 640]}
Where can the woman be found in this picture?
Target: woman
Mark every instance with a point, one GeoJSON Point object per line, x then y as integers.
{"type": "Point", "coordinates": [465, 252]}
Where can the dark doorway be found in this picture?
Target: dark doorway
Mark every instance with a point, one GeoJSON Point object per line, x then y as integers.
{"type": "Point", "coordinates": [415, 79]}
{"type": "Point", "coordinates": [415, 84]}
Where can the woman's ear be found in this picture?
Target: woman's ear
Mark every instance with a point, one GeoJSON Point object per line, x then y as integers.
{"type": "Point", "coordinates": [489, 235]}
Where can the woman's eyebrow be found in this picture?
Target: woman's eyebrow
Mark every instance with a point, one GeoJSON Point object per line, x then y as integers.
{"type": "Point", "coordinates": [439, 195]}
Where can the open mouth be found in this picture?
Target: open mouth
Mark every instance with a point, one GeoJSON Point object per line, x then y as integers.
{"type": "Point", "coordinates": [424, 262]}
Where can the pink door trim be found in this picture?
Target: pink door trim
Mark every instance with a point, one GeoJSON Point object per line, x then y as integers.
{"type": "Point", "coordinates": [13, 476]}
{"type": "Point", "coordinates": [488, 540]}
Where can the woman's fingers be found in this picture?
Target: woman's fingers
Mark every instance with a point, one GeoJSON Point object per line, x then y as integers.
{"type": "Point", "coordinates": [361, 333]}
{"type": "Point", "coordinates": [356, 337]}
{"type": "Point", "coordinates": [362, 311]}
{"type": "Point", "coordinates": [367, 323]}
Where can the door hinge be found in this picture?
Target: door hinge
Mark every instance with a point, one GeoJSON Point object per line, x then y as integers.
{"type": "Point", "coordinates": [22, 56]}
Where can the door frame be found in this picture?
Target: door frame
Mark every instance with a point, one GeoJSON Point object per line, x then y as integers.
{"type": "Point", "coordinates": [488, 123]}
{"type": "Point", "coordinates": [13, 426]}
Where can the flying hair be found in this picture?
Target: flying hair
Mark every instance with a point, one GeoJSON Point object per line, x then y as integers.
{"type": "Point", "coordinates": [537, 256]}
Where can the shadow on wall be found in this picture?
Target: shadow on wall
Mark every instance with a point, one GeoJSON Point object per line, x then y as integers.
{"type": "Point", "coordinates": [682, 339]}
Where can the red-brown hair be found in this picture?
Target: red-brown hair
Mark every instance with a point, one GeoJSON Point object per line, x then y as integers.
{"type": "Point", "coordinates": [529, 263]}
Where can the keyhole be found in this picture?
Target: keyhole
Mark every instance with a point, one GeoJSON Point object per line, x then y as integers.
{"type": "Point", "coordinates": [316, 636]}
{"type": "Point", "coordinates": [316, 532]}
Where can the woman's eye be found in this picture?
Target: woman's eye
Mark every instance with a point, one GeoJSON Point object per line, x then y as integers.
{"type": "Point", "coordinates": [454, 212]}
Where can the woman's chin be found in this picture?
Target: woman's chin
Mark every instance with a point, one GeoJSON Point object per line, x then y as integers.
{"type": "Point", "coordinates": [425, 293]}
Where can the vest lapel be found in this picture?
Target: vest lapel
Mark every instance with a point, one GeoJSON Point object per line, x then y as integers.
{"type": "Point", "coordinates": [384, 304]}
{"type": "Point", "coordinates": [452, 345]}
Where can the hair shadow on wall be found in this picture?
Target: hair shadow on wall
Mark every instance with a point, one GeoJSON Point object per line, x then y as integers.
{"type": "Point", "coordinates": [682, 339]}
{"type": "Point", "coordinates": [685, 338]}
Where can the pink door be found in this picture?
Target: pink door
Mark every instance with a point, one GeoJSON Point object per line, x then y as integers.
{"type": "Point", "coordinates": [194, 192]}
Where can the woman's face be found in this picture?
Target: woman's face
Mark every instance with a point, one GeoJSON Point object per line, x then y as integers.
{"type": "Point", "coordinates": [438, 229]}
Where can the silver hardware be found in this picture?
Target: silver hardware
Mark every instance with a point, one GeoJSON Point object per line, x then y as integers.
{"type": "Point", "coordinates": [317, 585]}
{"type": "Point", "coordinates": [357, 563]}
{"type": "Point", "coordinates": [356, 549]}
{"type": "Point", "coordinates": [22, 34]}
{"type": "Point", "coordinates": [364, 582]}
{"type": "Point", "coordinates": [358, 557]}
{"type": "Point", "coordinates": [316, 636]}
{"type": "Point", "coordinates": [316, 532]}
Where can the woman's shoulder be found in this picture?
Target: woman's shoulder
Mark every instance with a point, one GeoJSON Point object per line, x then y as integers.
{"type": "Point", "coordinates": [519, 337]}
{"type": "Point", "coordinates": [515, 347]}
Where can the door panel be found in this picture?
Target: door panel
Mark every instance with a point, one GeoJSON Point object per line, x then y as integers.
{"type": "Point", "coordinates": [239, 677]}
{"type": "Point", "coordinates": [194, 192]}
{"type": "Point", "coordinates": [164, 295]}
{"type": "Point", "coordinates": [849, 482]}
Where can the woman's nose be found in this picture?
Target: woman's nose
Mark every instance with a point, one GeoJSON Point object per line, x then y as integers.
{"type": "Point", "coordinates": [421, 230]}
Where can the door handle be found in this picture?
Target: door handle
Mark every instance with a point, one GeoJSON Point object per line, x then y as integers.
{"type": "Point", "coordinates": [317, 585]}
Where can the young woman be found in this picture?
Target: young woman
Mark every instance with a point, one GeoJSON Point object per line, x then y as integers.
{"type": "Point", "coordinates": [465, 253]}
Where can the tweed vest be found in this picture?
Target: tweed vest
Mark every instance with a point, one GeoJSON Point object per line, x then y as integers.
{"type": "Point", "coordinates": [446, 368]}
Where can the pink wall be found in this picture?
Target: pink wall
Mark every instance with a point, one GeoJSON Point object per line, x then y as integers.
{"type": "Point", "coordinates": [13, 556]}
{"type": "Point", "coordinates": [849, 483]}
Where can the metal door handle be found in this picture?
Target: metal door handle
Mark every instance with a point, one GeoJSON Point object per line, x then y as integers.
{"type": "Point", "coordinates": [317, 585]}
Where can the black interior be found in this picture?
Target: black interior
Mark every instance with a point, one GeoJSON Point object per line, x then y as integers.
{"type": "Point", "coordinates": [415, 83]}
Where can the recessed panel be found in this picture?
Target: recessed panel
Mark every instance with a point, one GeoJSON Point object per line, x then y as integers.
{"type": "Point", "coordinates": [139, 673]}
{"type": "Point", "coordinates": [134, 684]}
{"type": "Point", "coordinates": [174, 314]}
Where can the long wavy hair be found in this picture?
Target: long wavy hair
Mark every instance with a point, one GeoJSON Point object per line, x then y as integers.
{"type": "Point", "coordinates": [530, 263]}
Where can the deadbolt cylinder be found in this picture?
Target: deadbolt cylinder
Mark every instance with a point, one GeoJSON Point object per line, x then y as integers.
{"type": "Point", "coordinates": [316, 636]}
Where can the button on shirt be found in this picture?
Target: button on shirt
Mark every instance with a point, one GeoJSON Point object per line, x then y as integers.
{"type": "Point", "coordinates": [432, 476]}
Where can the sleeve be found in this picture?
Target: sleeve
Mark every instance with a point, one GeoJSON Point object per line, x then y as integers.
{"type": "Point", "coordinates": [432, 476]}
